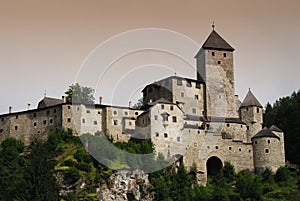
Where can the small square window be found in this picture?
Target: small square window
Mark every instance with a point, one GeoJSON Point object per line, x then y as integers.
{"type": "Point", "coordinates": [17, 117]}
{"type": "Point", "coordinates": [194, 111]}
{"type": "Point", "coordinates": [51, 121]}
{"type": "Point", "coordinates": [255, 142]}
{"type": "Point", "coordinates": [229, 148]}
{"type": "Point", "coordinates": [196, 97]}
{"type": "Point", "coordinates": [162, 107]}
{"type": "Point", "coordinates": [188, 83]}
{"type": "Point", "coordinates": [197, 85]}
{"type": "Point", "coordinates": [224, 54]}
{"type": "Point", "coordinates": [48, 112]}
{"type": "Point", "coordinates": [54, 111]}
{"type": "Point", "coordinates": [269, 141]}
{"type": "Point", "coordinates": [115, 122]}
{"type": "Point", "coordinates": [165, 135]}
{"type": "Point", "coordinates": [249, 151]}
{"type": "Point", "coordinates": [16, 127]}
{"type": "Point", "coordinates": [34, 124]}
{"type": "Point", "coordinates": [213, 53]}
{"type": "Point", "coordinates": [115, 112]}
{"type": "Point", "coordinates": [1, 130]}
{"type": "Point", "coordinates": [228, 125]}
{"type": "Point", "coordinates": [126, 113]}
{"type": "Point", "coordinates": [174, 119]}
{"type": "Point", "coordinates": [78, 108]}
{"type": "Point", "coordinates": [155, 117]}
{"type": "Point", "coordinates": [44, 122]}
{"type": "Point", "coordinates": [182, 94]}
{"type": "Point", "coordinates": [3, 118]}
{"type": "Point", "coordinates": [257, 110]}
{"type": "Point", "coordinates": [99, 112]}
{"type": "Point", "coordinates": [136, 113]}
{"type": "Point", "coordinates": [69, 107]}
{"type": "Point", "coordinates": [178, 139]}
{"type": "Point", "coordinates": [219, 62]}
{"type": "Point", "coordinates": [171, 107]}
{"type": "Point", "coordinates": [267, 151]}
{"type": "Point", "coordinates": [217, 147]}
{"type": "Point", "coordinates": [130, 123]}
{"type": "Point", "coordinates": [240, 149]}
{"type": "Point", "coordinates": [83, 121]}
{"type": "Point", "coordinates": [95, 122]}
{"type": "Point", "coordinates": [157, 134]}
{"type": "Point", "coordinates": [179, 82]}
{"type": "Point", "coordinates": [69, 120]}
{"type": "Point", "coordinates": [88, 111]}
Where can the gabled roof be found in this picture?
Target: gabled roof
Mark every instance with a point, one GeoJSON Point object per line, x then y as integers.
{"type": "Point", "coordinates": [47, 102]}
{"type": "Point", "coordinates": [216, 42]}
{"type": "Point", "coordinates": [275, 128]}
{"type": "Point", "coordinates": [265, 133]}
{"type": "Point", "coordinates": [250, 100]}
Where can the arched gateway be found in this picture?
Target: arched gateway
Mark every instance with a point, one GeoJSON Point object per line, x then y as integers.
{"type": "Point", "coordinates": [213, 165]}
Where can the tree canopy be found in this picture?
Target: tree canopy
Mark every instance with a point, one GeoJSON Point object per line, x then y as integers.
{"type": "Point", "coordinates": [80, 94]}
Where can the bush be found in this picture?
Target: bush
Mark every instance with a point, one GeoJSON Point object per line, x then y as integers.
{"type": "Point", "coordinates": [72, 175]}
{"type": "Point", "coordinates": [282, 175]}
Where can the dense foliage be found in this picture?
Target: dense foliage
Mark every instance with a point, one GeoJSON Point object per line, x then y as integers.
{"type": "Point", "coordinates": [285, 114]}
{"type": "Point", "coordinates": [80, 94]}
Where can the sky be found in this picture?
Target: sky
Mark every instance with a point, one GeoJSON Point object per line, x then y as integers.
{"type": "Point", "coordinates": [45, 46]}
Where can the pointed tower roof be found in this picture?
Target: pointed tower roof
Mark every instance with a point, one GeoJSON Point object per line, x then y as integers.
{"type": "Point", "coordinates": [250, 100]}
{"type": "Point", "coordinates": [216, 42]}
{"type": "Point", "coordinates": [265, 132]}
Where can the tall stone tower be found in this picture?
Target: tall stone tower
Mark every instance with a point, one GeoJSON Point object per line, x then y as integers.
{"type": "Point", "coordinates": [252, 114]}
{"type": "Point", "coordinates": [215, 68]}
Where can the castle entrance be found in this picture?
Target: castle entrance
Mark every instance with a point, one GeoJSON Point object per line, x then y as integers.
{"type": "Point", "coordinates": [213, 165]}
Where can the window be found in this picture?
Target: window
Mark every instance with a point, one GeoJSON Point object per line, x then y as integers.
{"type": "Point", "coordinates": [83, 121]}
{"type": "Point", "coordinates": [182, 94]}
{"type": "Point", "coordinates": [194, 111]}
{"type": "Point", "coordinates": [188, 83]}
{"type": "Point", "coordinates": [228, 125]}
{"type": "Point", "coordinates": [165, 135]}
{"type": "Point", "coordinates": [34, 124]}
{"type": "Point", "coordinates": [217, 147]}
{"type": "Point", "coordinates": [224, 55]}
{"type": "Point", "coordinates": [95, 122]}
{"type": "Point", "coordinates": [126, 113]}
{"type": "Point", "coordinates": [44, 122]}
{"type": "Point", "coordinates": [3, 118]}
{"type": "Point", "coordinates": [17, 117]}
{"type": "Point", "coordinates": [171, 107]}
{"type": "Point", "coordinates": [179, 82]}
{"type": "Point", "coordinates": [157, 134]}
{"type": "Point", "coordinates": [268, 141]}
{"type": "Point", "coordinates": [115, 122]}
{"type": "Point", "coordinates": [241, 126]}
{"type": "Point", "coordinates": [69, 120]}
{"type": "Point", "coordinates": [115, 112]}
{"type": "Point", "coordinates": [48, 112]}
{"type": "Point", "coordinates": [34, 114]}
{"type": "Point", "coordinates": [240, 149]}
{"type": "Point", "coordinates": [213, 53]}
{"type": "Point", "coordinates": [196, 97]}
{"type": "Point", "coordinates": [174, 119]}
{"type": "Point", "coordinates": [16, 127]}
{"type": "Point", "coordinates": [247, 127]}
{"type": "Point", "coordinates": [136, 113]}
{"type": "Point", "coordinates": [255, 142]}
{"type": "Point", "coordinates": [178, 139]}
{"type": "Point", "coordinates": [197, 85]}
{"type": "Point", "coordinates": [51, 121]}
{"type": "Point", "coordinates": [69, 107]}
{"type": "Point", "coordinates": [249, 151]}
{"type": "Point", "coordinates": [162, 107]}
{"type": "Point", "coordinates": [257, 110]}
{"type": "Point", "coordinates": [229, 148]}
{"type": "Point", "coordinates": [1, 130]}
{"type": "Point", "coordinates": [155, 117]}
{"type": "Point", "coordinates": [78, 108]}
{"type": "Point", "coordinates": [54, 111]}
{"type": "Point", "coordinates": [88, 111]}
{"type": "Point", "coordinates": [130, 123]}
{"type": "Point", "coordinates": [99, 112]}
{"type": "Point", "coordinates": [219, 62]}
{"type": "Point", "coordinates": [165, 117]}
{"type": "Point", "coordinates": [267, 151]}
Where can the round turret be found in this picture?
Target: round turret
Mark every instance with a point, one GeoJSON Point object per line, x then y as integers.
{"type": "Point", "coordinates": [267, 151]}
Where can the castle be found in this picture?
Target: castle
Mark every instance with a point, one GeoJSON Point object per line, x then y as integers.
{"type": "Point", "coordinates": [200, 119]}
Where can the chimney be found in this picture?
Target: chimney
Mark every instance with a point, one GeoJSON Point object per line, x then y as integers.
{"type": "Point", "coordinates": [10, 109]}
{"type": "Point", "coordinates": [64, 99]}
{"type": "Point", "coordinates": [28, 106]}
{"type": "Point", "coordinates": [100, 100]}
{"type": "Point", "coordinates": [129, 105]}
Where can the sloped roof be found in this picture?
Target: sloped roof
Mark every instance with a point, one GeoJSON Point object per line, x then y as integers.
{"type": "Point", "coordinates": [216, 42]}
{"type": "Point", "coordinates": [265, 132]}
{"type": "Point", "coordinates": [47, 102]}
{"type": "Point", "coordinates": [250, 100]}
{"type": "Point", "coordinates": [275, 128]}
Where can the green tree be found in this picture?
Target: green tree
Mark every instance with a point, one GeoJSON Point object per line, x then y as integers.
{"type": "Point", "coordinates": [249, 186]}
{"type": "Point", "coordinates": [80, 94]}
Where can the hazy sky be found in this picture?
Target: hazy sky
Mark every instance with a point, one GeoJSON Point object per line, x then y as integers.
{"type": "Point", "coordinates": [44, 43]}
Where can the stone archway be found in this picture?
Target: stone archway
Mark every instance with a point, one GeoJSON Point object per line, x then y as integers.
{"type": "Point", "coordinates": [213, 165]}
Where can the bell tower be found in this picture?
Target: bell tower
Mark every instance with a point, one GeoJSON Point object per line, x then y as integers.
{"type": "Point", "coordinates": [215, 68]}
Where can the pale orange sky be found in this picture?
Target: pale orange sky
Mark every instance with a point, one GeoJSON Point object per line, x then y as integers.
{"type": "Point", "coordinates": [43, 43]}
